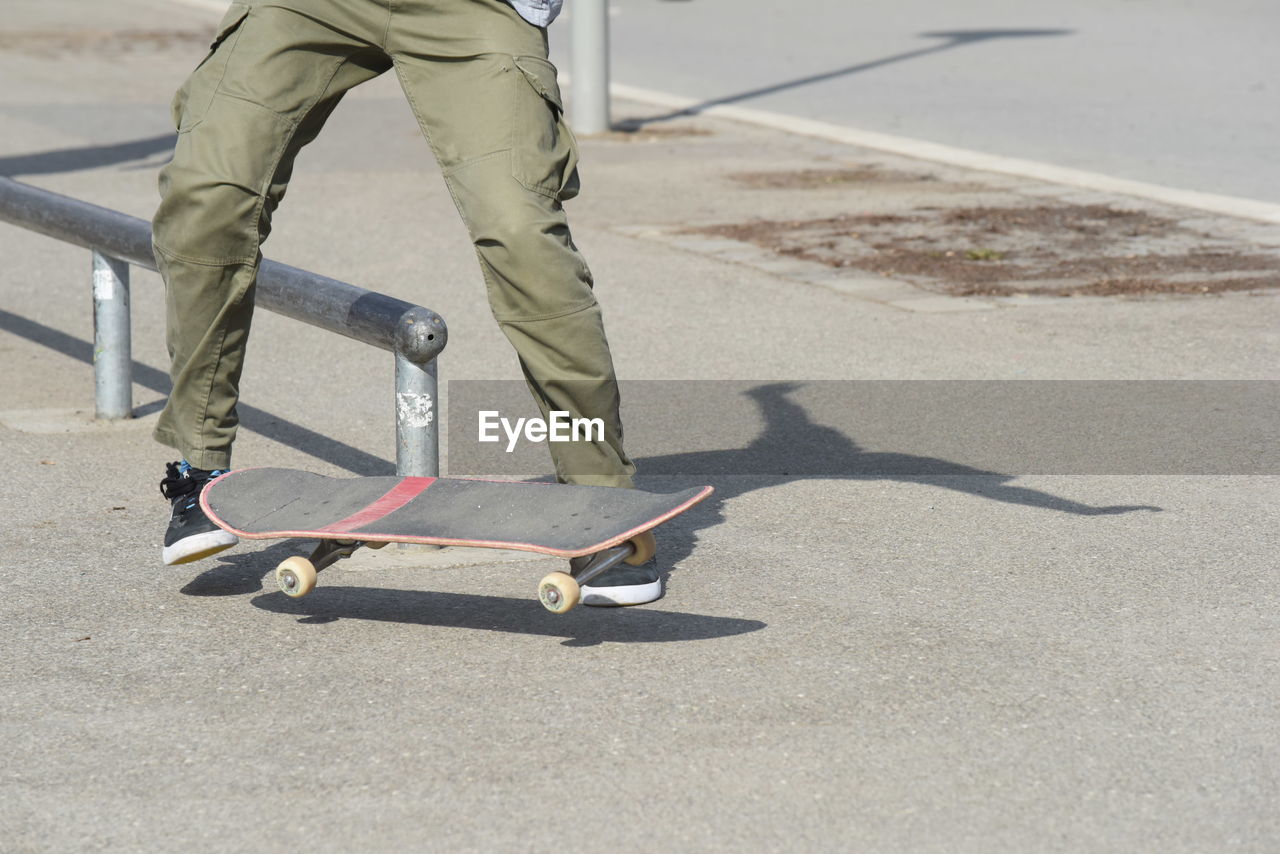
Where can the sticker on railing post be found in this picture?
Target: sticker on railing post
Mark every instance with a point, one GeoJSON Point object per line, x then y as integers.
{"type": "Point", "coordinates": [414, 410]}
{"type": "Point", "coordinates": [104, 284]}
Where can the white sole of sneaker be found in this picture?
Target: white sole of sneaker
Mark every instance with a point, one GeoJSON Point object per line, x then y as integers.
{"type": "Point", "coordinates": [198, 547]}
{"type": "Point", "coordinates": [631, 594]}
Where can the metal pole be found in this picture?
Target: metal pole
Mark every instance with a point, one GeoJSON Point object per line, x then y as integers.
{"type": "Point", "coordinates": [366, 316]}
{"type": "Point", "coordinates": [415, 334]}
{"type": "Point", "coordinates": [417, 419]}
{"type": "Point", "coordinates": [112, 344]}
{"type": "Point", "coordinates": [589, 25]}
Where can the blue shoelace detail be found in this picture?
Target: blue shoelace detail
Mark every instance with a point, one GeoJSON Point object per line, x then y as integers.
{"type": "Point", "coordinates": [184, 467]}
{"type": "Point", "coordinates": [180, 482]}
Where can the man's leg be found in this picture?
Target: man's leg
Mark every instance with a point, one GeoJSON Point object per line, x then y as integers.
{"type": "Point", "coordinates": [269, 82]}
{"type": "Point", "coordinates": [495, 122]}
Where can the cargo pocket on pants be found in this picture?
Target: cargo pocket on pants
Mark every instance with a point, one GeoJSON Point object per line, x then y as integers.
{"type": "Point", "coordinates": [544, 154]}
{"type": "Point", "coordinates": [192, 100]}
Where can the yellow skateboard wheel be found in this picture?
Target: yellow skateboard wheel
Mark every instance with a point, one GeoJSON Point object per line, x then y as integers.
{"type": "Point", "coordinates": [296, 576]}
{"type": "Point", "coordinates": [558, 592]}
{"type": "Point", "coordinates": [645, 547]}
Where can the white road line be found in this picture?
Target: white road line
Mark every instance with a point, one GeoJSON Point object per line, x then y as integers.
{"type": "Point", "coordinates": [1230, 205]}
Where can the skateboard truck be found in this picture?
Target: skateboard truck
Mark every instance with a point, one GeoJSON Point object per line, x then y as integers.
{"type": "Point", "coordinates": [296, 576]}
{"type": "Point", "coordinates": [561, 591]}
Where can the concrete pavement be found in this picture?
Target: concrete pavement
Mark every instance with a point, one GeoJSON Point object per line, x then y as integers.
{"type": "Point", "coordinates": [1175, 93]}
{"type": "Point", "coordinates": [939, 662]}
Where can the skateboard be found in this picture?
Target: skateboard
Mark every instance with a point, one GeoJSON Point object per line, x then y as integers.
{"type": "Point", "coordinates": [611, 526]}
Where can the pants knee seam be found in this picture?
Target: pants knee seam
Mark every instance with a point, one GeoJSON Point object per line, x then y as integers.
{"type": "Point", "coordinates": [201, 413]}
{"type": "Point", "coordinates": [204, 262]}
{"type": "Point", "coordinates": [552, 316]}
{"type": "Point", "coordinates": [453, 170]}
{"type": "Point", "coordinates": [293, 123]}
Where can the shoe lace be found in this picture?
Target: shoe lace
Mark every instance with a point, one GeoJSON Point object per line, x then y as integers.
{"type": "Point", "coordinates": [176, 483]}
{"type": "Point", "coordinates": [182, 480]}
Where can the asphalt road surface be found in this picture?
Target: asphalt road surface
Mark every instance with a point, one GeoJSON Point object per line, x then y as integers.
{"type": "Point", "coordinates": [1173, 92]}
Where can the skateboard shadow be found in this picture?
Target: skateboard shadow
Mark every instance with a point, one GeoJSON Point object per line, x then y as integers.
{"type": "Point", "coordinates": [582, 627]}
{"type": "Point", "coordinates": [240, 573]}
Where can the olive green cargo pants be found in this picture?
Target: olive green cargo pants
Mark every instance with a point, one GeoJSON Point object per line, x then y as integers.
{"type": "Point", "coordinates": [485, 96]}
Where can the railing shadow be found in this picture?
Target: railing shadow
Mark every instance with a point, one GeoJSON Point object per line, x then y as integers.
{"type": "Point", "coordinates": [951, 39]}
{"type": "Point", "coordinates": [84, 157]}
{"type": "Point", "coordinates": [260, 421]}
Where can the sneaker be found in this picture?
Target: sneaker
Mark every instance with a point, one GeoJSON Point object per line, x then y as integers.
{"type": "Point", "coordinates": [191, 536]}
{"type": "Point", "coordinates": [625, 584]}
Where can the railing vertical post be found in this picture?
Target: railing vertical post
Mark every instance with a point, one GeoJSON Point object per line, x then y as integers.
{"type": "Point", "coordinates": [589, 26]}
{"type": "Point", "coordinates": [417, 419]}
{"type": "Point", "coordinates": [112, 344]}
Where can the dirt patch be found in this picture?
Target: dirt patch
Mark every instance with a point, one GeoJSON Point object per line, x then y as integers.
{"type": "Point", "coordinates": [1062, 250]}
{"type": "Point", "coordinates": [103, 42]}
{"type": "Point", "coordinates": [1141, 287]}
{"type": "Point", "coordinates": [814, 179]}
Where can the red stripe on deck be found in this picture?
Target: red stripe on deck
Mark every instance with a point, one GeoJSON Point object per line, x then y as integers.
{"type": "Point", "coordinates": [397, 497]}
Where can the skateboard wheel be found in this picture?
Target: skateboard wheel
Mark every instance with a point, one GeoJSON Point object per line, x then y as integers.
{"type": "Point", "coordinates": [645, 548]}
{"type": "Point", "coordinates": [296, 576]}
{"type": "Point", "coordinates": [375, 545]}
{"type": "Point", "coordinates": [558, 592]}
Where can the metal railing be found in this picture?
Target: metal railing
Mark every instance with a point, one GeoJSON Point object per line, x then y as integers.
{"type": "Point", "coordinates": [416, 335]}
{"type": "Point", "coordinates": [589, 84]}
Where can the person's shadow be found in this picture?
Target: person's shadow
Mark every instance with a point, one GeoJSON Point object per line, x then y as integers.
{"type": "Point", "coordinates": [791, 446]}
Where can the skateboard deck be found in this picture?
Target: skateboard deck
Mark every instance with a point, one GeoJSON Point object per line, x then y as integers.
{"type": "Point", "coordinates": [553, 519]}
